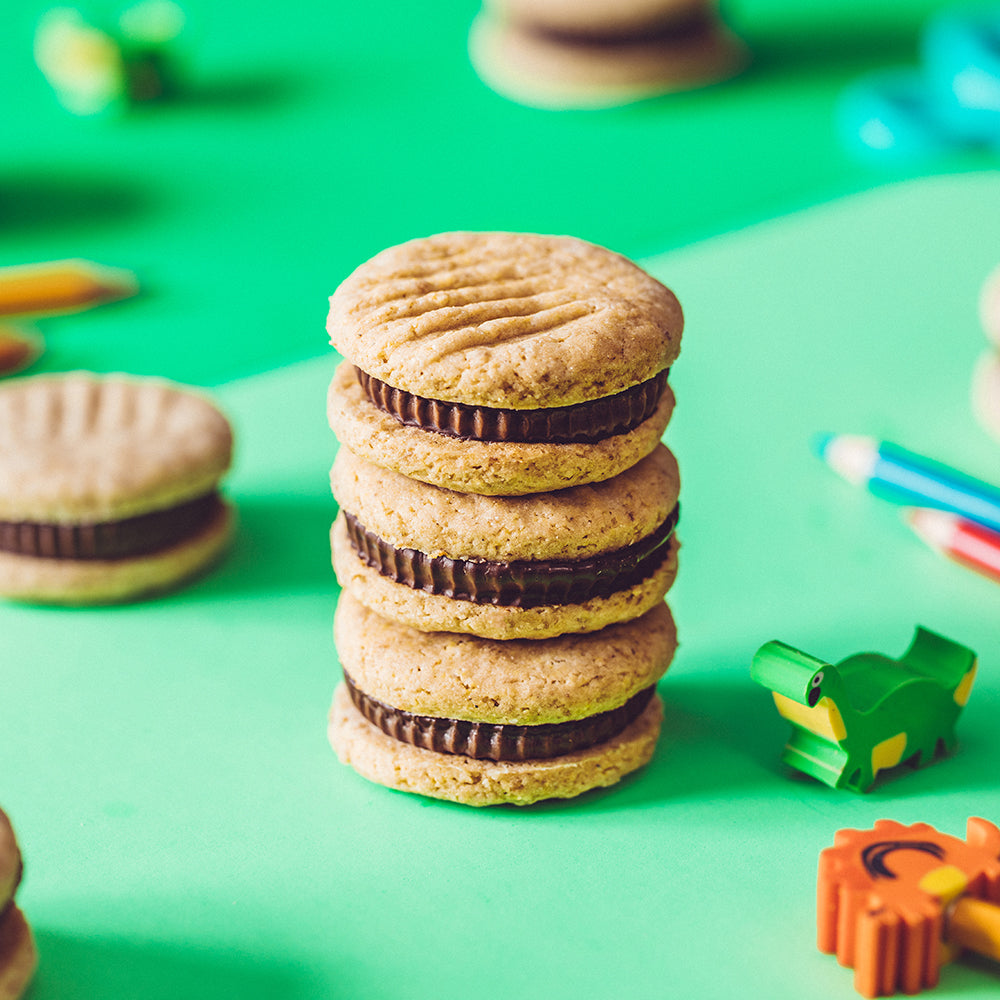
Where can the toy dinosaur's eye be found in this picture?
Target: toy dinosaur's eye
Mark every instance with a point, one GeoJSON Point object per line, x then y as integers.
{"type": "Point", "coordinates": [815, 692]}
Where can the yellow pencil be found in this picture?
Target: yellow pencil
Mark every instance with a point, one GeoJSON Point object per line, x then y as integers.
{"type": "Point", "coordinates": [61, 286]}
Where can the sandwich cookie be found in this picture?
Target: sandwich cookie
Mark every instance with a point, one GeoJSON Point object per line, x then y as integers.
{"type": "Point", "coordinates": [108, 487]}
{"type": "Point", "coordinates": [502, 363]}
{"type": "Point", "coordinates": [18, 956]}
{"type": "Point", "coordinates": [525, 567]}
{"type": "Point", "coordinates": [484, 722]}
{"type": "Point", "coordinates": [986, 373]}
{"type": "Point", "coordinates": [596, 54]}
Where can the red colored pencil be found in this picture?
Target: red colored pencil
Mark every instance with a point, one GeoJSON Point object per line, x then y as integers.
{"type": "Point", "coordinates": [963, 541]}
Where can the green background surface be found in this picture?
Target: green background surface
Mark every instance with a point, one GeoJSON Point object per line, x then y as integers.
{"type": "Point", "coordinates": [187, 829]}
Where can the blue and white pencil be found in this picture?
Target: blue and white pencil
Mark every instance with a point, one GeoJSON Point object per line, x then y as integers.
{"type": "Point", "coordinates": [901, 476]}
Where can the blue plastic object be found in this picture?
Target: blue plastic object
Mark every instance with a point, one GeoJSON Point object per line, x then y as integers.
{"type": "Point", "coordinates": [961, 57]}
{"type": "Point", "coordinates": [890, 112]}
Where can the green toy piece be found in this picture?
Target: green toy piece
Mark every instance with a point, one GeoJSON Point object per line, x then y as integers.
{"type": "Point", "coordinates": [868, 712]}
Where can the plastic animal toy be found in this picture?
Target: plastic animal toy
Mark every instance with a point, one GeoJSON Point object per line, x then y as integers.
{"type": "Point", "coordinates": [896, 902]}
{"type": "Point", "coordinates": [868, 712]}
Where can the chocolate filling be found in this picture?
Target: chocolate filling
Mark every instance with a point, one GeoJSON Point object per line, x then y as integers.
{"type": "Point", "coordinates": [521, 583]}
{"type": "Point", "coordinates": [124, 539]}
{"type": "Point", "coordinates": [671, 30]}
{"type": "Point", "coordinates": [584, 423]}
{"type": "Point", "coordinates": [498, 741]}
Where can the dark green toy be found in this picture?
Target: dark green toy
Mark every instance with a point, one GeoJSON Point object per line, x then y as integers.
{"type": "Point", "coordinates": [868, 712]}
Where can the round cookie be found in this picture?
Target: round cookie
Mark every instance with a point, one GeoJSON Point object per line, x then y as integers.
{"type": "Point", "coordinates": [558, 67]}
{"type": "Point", "coordinates": [18, 957]}
{"type": "Point", "coordinates": [528, 567]}
{"type": "Point", "coordinates": [477, 350]}
{"type": "Point", "coordinates": [505, 320]}
{"type": "Point", "coordinates": [108, 487]}
{"type": "Point", "coordinates": [525, 682]}
{"type": "Point", "coordinates": [457, 778]}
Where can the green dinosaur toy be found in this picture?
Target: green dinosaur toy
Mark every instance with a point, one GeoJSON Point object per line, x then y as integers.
{"type": "Point", "coordinates": [868, 712]}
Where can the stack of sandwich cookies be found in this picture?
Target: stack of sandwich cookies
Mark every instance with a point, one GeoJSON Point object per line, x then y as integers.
{"type": "Point", "coordinates": [18, 957]}
{"type": "Point", "coordinates": [108, 487]}
{"type": "Point", "coordinates": [502, 626]}
{"type": "Point", "coordinates": [597, 53]}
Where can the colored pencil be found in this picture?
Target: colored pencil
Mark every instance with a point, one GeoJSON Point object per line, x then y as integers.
{"type": "Point", "coordinates": [962, 541]}
{"type": "Point", "coordinates": [901, 476]}
{"type": "Point", "coordinates": [61, 286]}
{"type": "Point", "coordinates": [18, 349]}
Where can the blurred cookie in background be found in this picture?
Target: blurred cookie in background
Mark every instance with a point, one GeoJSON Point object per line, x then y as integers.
{"type": "Point", "coordinates": [18, 956]}
{"type": "Point", "coordinates": [562, 54]}
{"type": "Point", "coordinates": [986, 375]}
{"type": "Point", "coordinates": [109, 487]}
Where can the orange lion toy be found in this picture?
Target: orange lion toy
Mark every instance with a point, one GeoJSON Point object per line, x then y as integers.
{"type": "Point", "coordinates": [896, 902]}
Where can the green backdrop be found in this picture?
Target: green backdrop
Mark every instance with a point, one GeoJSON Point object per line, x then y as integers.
{"type": "Point", "coordinates": [187, 830]}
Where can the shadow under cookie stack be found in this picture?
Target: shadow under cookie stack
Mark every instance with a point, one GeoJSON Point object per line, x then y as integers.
{"type": "Point", "coordinates": [507, 511]}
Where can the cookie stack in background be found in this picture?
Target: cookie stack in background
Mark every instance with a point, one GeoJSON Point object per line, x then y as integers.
{"type": "Point", "coordinates": [598, 53]}
{"type": "Point", "coordinates": [507, 511]}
